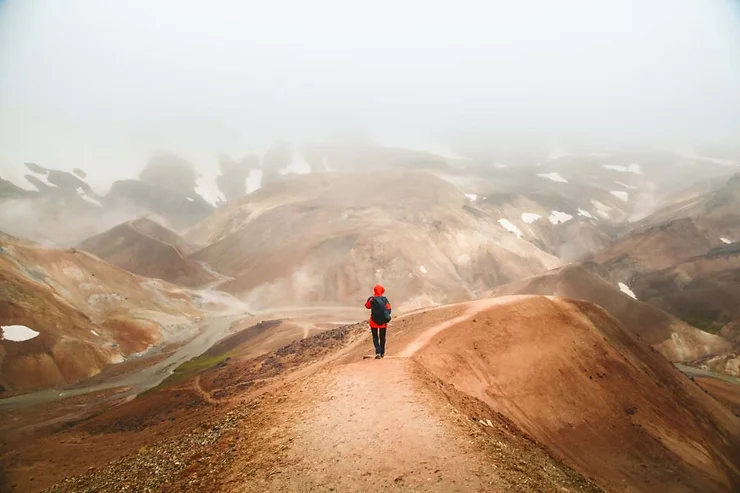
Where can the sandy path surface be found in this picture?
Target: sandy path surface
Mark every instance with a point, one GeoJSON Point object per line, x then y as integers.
{"type": "Point", "coordinates": [370, 425]}
{"type": "Point", "coordinates": [373, 428]}
{"type": "Point", "coordinates": [472, 308]}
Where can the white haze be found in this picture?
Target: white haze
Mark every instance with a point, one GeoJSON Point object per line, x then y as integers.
{"type": "Point", "coordinates": [101, 84]}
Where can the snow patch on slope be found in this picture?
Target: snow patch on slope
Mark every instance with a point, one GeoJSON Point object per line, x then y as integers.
{"type": "Point", "coordinates": [422, 269]}
{"type": "Point", "coordinates": [254, 180]}
{"type": "Point", "coordinates": [632, 168]}
{"type": "Point", "coordinates": [553, 176]}
{"type": "Point", "coordinates": [587, 214]}
{"type": "Point", "coordinates": [626, 290]}
{"type": "Point", "coordinates": [16, 177]}
{"type": "Point", "coordinates": [18, 333]}
{"type": "Point", "coordinates": [530, 217]}
{"type": "Point", "coordinates": [621, 195]}
{"type": "Point", "coordinates": [472, 197]}
{"type": "Point", "coordinates": [601, 209]}
{"type": "Point", "coordinates": [506, 224]}
{"type": "Point", "coordinates": [726, 241]}
{"type": "Point", "coordinates": [207, 188]}
{"type": "Point", "coordinates": [298, 165]}
{"type": "Point", "coordinates": [44, 179]}
{"type": "Point", "coordinates": [721, 162]}
{"type": "Point", "coordinates": [629, 187]}
{"type": "Point", "coordinates": [558, 217]}
{"type": "Point", "coordinates": [557, 153]}
{"type": "Point", "coordinates": [81, 193]}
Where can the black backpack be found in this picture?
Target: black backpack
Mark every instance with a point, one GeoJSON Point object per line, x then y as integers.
{"type": "Point", "coordinates": [378, 311]}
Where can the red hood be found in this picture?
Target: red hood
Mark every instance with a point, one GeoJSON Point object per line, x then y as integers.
{"type": "Point", "coordinates": [378, 290]}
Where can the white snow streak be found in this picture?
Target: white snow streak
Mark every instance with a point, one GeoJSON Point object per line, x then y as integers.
{"type": "Point", "coordinates": [630, 187]}
{"type": "Point", "coordinates": [471, 197]}
{"type": "Point", "coordinates": [16, 177]}
{"type": "Point", "coordinates": [583, 213]}
{"type": "Point", "coordinates": [626, 290]}
{"type": "Point", "coordinates": [422, 269]}
{"type": "Point", "coordinates": [510, 227]}
{"type": "Point", "coordinates": [208, 189]}
{"type": "Point", "coordinates": [558, 217]}
{"type": "Point", "coordinates": [44, 179]}
{"type": "Point", "coordinates": [601, 209]}
{"type": "Point", "coordinates": [18, 333]}
{"type": "Point", "coordinates": [254, 180]}
{"type": "Point", "coordinates": [621, 195]}
{"type": "Point", "coordinates": [87, 198]}
{"type": "Point", "coordinates": [553, 176]}
{"type": "Point", "coordinates": [530, 217]}
{"type": "Point", "coordinates": [726, 241]}
{"type": "Point", "coordinates": [298, 165]}
{"type": "Point", "coordinates": [632, 168]}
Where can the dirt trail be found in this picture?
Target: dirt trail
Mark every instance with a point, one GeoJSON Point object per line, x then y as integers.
{"type": "Point", "coordinates": [369, 425]}
{"type": "Point", "coordinates": [472, 309]}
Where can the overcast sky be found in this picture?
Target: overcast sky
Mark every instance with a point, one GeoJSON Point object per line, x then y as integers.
{"type": "Point", "coordinates": [101, 83]}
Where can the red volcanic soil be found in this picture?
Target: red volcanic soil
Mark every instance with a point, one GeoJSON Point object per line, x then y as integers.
{"type": "Point", "coordinates": [89, 315]}
{"type": "Point", "coordinates": [585, 387]}
{"type": "Point", "coordinates": [675, 339]}
{"type": "Point", "coordinates": [728, 393]}
{"type": "Point", "coordinates": [512, 394]}
{"type": "Point", "coordinates": [149, 249]}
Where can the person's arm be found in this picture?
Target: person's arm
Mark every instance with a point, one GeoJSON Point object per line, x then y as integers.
{"type": "Point", "coordinates": [368, 303]}
{"type": "Point", "coordinates": [388, 307]}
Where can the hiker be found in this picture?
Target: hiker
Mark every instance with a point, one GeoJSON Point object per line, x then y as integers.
{"type": "Point", "coordinates": [380, 315]}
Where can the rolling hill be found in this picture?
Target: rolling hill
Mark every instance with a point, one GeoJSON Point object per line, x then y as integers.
{"type": "Point", "coordinates": [673, 338]}
{"type": "Point", "coordinates": [317, 239]}
{"type": "Point", "coordinates": [580, 383]}
{"type": "Point", "coordinates": [76, 315]}
{"type": "Point", "coordinates": [148, 249]}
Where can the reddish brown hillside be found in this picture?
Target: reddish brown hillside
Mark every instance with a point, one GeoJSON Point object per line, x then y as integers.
{"type": "Point", "coordinates": [88, 314]}
{"type": "Point", "coordinates": [576, 380]}
{"type": "Point", "coordinates": [148, 249]}
{"type": "Point", "coordinates": [675, 339]}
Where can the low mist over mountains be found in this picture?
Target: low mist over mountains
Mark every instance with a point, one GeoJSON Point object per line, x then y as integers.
{"type": "Point", "coordinates": [200, 201]}
{"type": "Point", "coordinates": [61, 208]}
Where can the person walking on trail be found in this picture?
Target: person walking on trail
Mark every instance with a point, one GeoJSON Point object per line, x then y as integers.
{"type": "Point", "coordinates": [380, 315]}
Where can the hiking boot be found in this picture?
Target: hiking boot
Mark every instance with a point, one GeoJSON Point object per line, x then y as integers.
{"type": "Point", "coordinates": [382, 355]}
{"type": "Point", "coordinates": [378, 356]}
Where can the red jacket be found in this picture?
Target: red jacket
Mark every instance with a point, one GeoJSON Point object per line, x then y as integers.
{"type": "Point", "coordinates": [378, 290]}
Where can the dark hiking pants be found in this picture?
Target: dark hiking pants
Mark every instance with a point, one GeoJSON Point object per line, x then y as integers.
{"type": "Point", "coordinates": [379, 340]}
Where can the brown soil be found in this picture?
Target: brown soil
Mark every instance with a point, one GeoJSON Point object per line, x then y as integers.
{"type": "Point", "coordinates": [673, 338]}
{"type": "Point", "coordinates": [368, 452]}
{"type": "Point", "coordinates": [459, 404]}
{"type": "Point", "coordinates": [151, 250]}
{"type": "Point", "coordinates": [582, 385]}
{"type": "Point", "coordinates": [89, 315]}
{"type": "Point", "coordinates": [727, 393]}
{"type": "Point", "coordinates": [703, 291]}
